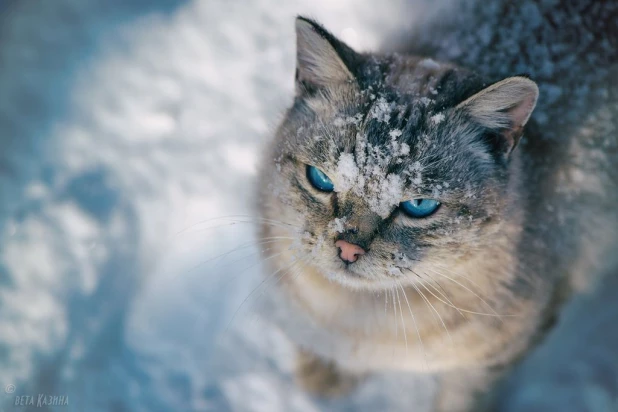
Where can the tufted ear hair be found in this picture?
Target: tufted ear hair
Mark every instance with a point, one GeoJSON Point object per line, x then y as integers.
{"type": "Point", "coordinates": [321, 59]}
{"type": "Point", "coordinates": [504, 108]}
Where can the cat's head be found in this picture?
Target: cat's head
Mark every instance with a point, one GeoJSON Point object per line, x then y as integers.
{"type": "Point", "coordinates": [386, 165]}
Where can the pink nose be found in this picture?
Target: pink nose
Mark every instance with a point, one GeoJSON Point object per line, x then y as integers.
{"type": "Point", "coordinates": [349, 252]}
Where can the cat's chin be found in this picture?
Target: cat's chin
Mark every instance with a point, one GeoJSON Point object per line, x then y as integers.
{"type": "Point", "coordinates": [355, 281]}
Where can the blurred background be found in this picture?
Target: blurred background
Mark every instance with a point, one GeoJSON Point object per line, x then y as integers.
{"type": "Point", "coordinates": [124, 127]}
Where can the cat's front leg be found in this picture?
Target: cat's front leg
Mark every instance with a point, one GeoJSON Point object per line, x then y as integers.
{"type": "Point", "coordinates": [323, 378]}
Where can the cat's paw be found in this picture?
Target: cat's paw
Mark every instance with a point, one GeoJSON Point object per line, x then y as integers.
{"type": "Point", "coordinates": [323, 378]}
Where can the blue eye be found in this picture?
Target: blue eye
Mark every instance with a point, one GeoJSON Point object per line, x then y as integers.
{"type": "Point", "coordinates": [319, 180]}
{"type": "Point", "coordinates": [419, 207]}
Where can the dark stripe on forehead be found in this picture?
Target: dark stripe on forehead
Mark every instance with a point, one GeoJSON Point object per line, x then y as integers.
{"type": "Point", "coordinates": [455, 86]}
{"type": "Point", "coordinates": [334, 201]}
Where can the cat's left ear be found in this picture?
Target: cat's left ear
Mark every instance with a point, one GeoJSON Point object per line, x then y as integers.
{"type": "Point", "coordinates": [504, 108]}
{"type": "Point", "coordinates": [321, 58]}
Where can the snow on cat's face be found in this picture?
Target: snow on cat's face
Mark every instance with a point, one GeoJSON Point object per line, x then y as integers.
{"type": "Point", "coordinates": [412, 173]}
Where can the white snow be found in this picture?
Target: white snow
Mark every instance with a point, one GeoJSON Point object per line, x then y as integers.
{"type": "Point", "coordinates": [347, 173]}
{"type": "Point", "coordinates": [366, 175]}
{"type": "Point", "coordinates": [387, 194]}
{"type": "Point", "coordinates": [143, 124]}
{"type": "Point", "coordinates": [337, 225]}
{"type": "Point", "coordinates": [381, 110]}
{"type": "Point", "coordinates": [437, 118]}
{"type": "Point", "coordinates": [416, 173]}
{"type": "Point", "coordinates": [429, 64]}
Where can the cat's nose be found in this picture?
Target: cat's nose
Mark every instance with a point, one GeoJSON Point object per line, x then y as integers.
{"type": "Point", "coordinates": [349, 252]}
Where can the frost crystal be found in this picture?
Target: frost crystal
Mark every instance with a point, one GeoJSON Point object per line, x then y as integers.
{"type": "Point", "coordinates": [394, 271]}
{"type": "Point", "coordinates": [339, 122]}
{"type": "Point", "coordinates": [337, 225]}
{"type": "Point", "coordinates": [398, 149]}
{"type": "Point", "coordinates": [347, 171]}
{"type": "Point", "coordinates": [389, 194]}
{"type": "Point", "coordinates": [368, 179]}
{"type": "Point", "coordinates": [425, 101]}
{"type": "Point", "coordinates": [402, 260]}
{"type": "Point", "coordinates": [415, 173]}
{"type": "Point", "coordinates": [381, 111]}
{"type": "Point", "coordinates": [366, 173]}
{"type": "Point", "coordinates": [429, 64]}
{"type": "Point", "coordinates": [437, 118]}
{"type": "Point", "coordinates": [356, 119]}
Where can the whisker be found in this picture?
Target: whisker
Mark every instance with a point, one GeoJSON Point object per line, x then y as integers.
{"type": "Point", "coordinates": [256, 288]}
{"type": "Point", "coordinates": [394, 317]}
{"type": "Point", "coordinates": [469, 290]}
{"type": "Point", "coordinates": [403, 323]}
{"type": "Point", "coordinates": [236, 249]}
{"type": "Point", "coordinates": [247, 219]}
{"type": "Point", "coordinates": [257, 262]}
{"type": "Point", "coordinates": [442, 292]}
{"type": "Point", "coordinates": [460, 310]}
{"type": "Point", "coordinates": [395, 312]}
{"type": "Point", "coordinates": [194, 231]}
{"type": "Point", "coordinates": [296, 272]}
{"type": "Point", "coordinates": [263, 242]}
{"type": "Point", "coordinates": [418, 333]}
{"type": "Point", "coordinates": [461, 276]}
{"type": "Point", "coordinates": [456, 274]}
{"type": "Point", "coordinates": [430, 305]}
{"type": "Point", "coordinates": [299, 260]}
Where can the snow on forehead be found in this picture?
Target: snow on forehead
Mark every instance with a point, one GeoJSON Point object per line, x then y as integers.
{"type": "Point", "coordinates": [429, 64]}
{"type": "Point", "coordinates": [366, 174]}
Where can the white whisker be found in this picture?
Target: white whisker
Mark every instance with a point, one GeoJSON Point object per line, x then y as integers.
{"type": "Point", "coordinates": [238, 248]}
{"type": "Point", "coordinates": [430, 305]}
{"type": "Point", "coordinates": [441, 291]}
{"type": "Point", "coordinates": [469, 290]}
{"type": "Point", "coordinates": [257, 287]}
{"type": "Point", "coordinates": [418, 333]}
{"type": "Point", "coordinates": [460, 310]}
{"type": "Point", "coordinates": [403, 323]}
{"type": "Point", "coordinates": [239, 219]}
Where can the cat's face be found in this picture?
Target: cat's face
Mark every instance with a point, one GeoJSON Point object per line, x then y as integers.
{"type": "Point", "coordinates": [389, 167]}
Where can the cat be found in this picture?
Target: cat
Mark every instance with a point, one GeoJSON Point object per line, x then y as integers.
{"type": "Point", "coordinates": [419, 220]}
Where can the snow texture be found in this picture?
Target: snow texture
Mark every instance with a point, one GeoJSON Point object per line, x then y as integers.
{"type": "Point", "coordinates": [437, 118]}
{"type": "Point", "coordinates": [367, 176]}
{"type": "Point", "coordinates": [128, 130]}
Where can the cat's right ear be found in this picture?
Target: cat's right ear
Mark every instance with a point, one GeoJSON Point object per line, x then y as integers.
{"type": "Point", "coordinates": [504, 107]}
{"type": "Point", "coordinates": [321, 59]}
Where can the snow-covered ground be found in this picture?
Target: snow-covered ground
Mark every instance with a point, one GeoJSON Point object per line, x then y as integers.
{"type": "Point", "coordinates": [125, 129]}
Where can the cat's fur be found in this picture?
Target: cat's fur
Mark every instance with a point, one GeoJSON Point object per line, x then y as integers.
{"type": "Point", "coordinates": [464, 292]}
